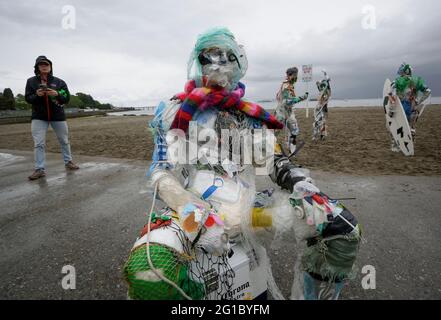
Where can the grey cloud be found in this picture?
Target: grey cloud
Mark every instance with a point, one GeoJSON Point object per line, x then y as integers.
{"type": "Point", "coordinates": [152, 40]}
{"type": "Point", "coordinates": [359, 60]}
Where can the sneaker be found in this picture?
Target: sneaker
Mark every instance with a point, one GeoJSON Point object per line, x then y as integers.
{"type": "Point", "coordinates": [71, 166]}
{"type": "Point", "coordinates": [37, 174]}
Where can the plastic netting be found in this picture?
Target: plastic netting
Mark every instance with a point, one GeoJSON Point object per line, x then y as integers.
{"type": "Point", "coordinates": [216, 273]}
{"type": "Point", "coordinates": [200, 275]}
{"type": "Point", "coordinates": [146, 285]}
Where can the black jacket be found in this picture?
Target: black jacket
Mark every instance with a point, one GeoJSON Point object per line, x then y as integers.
{"type": "Point", "coordinates": [47, 107]}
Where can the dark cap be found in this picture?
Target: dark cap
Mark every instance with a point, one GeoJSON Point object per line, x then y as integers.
{"type": "Point", "coordinates": [39, 60]}
{"type": "Point", "coordinates": [292, 71]}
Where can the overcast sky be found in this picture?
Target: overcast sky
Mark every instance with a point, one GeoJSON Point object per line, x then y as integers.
{"type": "Point", "coordinates": [134, 53]}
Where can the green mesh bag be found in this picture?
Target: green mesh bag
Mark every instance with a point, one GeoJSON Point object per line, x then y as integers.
{"type": "Point", "coordinates": [144, 284]}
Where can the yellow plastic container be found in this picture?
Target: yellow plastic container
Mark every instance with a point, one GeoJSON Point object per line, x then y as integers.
{"type": "Point", "coordinates": [262, 218]}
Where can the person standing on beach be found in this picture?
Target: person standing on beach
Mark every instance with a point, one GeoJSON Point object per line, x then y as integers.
{"type": "Point", "coordinates": [47, 95]}
{"type": "Point", "coordinates": [286, 99]}
{"type": "Point", "coordinates": [408, 87]}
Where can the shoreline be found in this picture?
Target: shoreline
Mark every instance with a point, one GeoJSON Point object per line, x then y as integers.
{"type": "Point", "coordinates": [358, 141]}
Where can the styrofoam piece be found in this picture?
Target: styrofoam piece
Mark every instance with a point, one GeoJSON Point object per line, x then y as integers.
{"type": "Point", "coordinates": [165, 236]}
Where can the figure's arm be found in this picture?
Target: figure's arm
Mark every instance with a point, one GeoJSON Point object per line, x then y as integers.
{"type": "Point", "coordinates": [159, 126]}
{"type": "Point", "coordinates": [163, 171]}
{"type": "Point", "coordinates": [392, 98]}
{"type": "Point", "coordinates": [285, 174]}
{"type": "Point", "coordinates": [31, 96]}
{"type": "Point", "coordinates": [63, 96]}
{"type": "Point", "coordinates": [425, 96]}
{"type": "Point", "coordinates": [334, 218]}
{"type": "Point", "coordinates": [171, 191]}
{"type": "Point", "coordinates": [393, 87]}
{"type": "Point", "coordinates": [164, 174]}
{"type": "Point", "coordinates": [290, 98]}
{"type": "Point", "coordinates": [326, 92]}
{"type": "Point", "coordinates": [426, 92]}
{"type": "Point", "coordinates": [328, 88]}
{"type": "Point", "coordinates": [318, 85]}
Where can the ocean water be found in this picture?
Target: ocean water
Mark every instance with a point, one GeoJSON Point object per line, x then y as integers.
{"type": "Point", "coordinates": [271, 105]}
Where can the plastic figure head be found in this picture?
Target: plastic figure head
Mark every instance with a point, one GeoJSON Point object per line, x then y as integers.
{"type": "Point", "coordinates": [405, 70]}
{"type": "Point", "coordinates": [217, 60]}
{"type": "Point", "coordinates": [292, 74]}
{"type": "Point", "coordinates": [322, 85]}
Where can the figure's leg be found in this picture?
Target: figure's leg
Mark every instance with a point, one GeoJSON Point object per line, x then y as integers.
{"type": "Point", "coordinates": [39, 129]}
{"type": "Point", "coordinates": [297, 289]}
{"type": "Point", "coordinates": [412, 122]}
{"type": "Point", "coordinates": [315, 125]}
{"type": "Point", "coordinates": [294, 132]}
{"type": "Point", "coordinates": [322, 126]}
{"type": "Point", "coordinates": [315, 289]}
{"type": "Point", "coordinates": [325, 120]}
{"type": "Point", "coordinates": [411, 116]}
{"type": "Point", "coordinates": [279, 114]}
{"type": "Point", "coordinates": [62, 133]}
{"type": "Point", "coordinates": [407, 106]}
{"type": "Point", "coordinates": [281, 135]}
{"type": "Point", "coordinates": [393, 144]}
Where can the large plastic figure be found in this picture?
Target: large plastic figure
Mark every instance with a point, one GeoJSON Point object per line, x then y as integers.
{"type": "Point", "coordinates": [204, 243]}
{"type": "Point", "coordinates": [286, 100]}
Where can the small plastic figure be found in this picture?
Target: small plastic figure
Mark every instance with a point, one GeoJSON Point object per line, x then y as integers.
{"type": "Point", "coordinates": [286, 100]}
{"type": "Point", "coordinates": [321, 110]}
{"type": "Point", "coordinates": [412, 92]}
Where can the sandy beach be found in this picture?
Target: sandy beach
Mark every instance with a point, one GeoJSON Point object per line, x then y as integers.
{"type": "Point", "coordinates": [358, 142]}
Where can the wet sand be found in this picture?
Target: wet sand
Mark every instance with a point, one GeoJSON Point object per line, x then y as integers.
{"type": "Point", "coordinates": [90, 218]}
{"type": "Point", "coordinates": [358, 142]}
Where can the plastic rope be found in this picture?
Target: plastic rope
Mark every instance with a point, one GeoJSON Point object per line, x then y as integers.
{"type": "Point", "coordinates": [163, 278]}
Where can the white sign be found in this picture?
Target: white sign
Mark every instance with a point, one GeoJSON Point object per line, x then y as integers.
{"type": "Point", "coordinates": [307, 73]}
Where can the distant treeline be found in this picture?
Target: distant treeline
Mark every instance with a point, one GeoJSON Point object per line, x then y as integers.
{"type": "Point", "coordinates": [78, 100]}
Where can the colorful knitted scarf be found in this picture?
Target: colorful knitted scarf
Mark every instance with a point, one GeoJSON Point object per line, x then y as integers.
{"type": "Point", "coordinates": [202, 98]}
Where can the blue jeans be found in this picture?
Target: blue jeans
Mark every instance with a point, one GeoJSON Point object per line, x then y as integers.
{"type": "Point", "coordinates": [407, 106]}
{"type": "Point", "coordinates": [39, 129]}
{"type": "Point", "coordinates": [314, 289]}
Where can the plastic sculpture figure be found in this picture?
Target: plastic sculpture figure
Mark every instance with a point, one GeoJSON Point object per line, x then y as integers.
{"type": "Point", "coordinates": [413, 93]}
{"type": "Point", "coordinates": [286, 100]}
{"type": "Point", "coordinates": [321, 110]}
